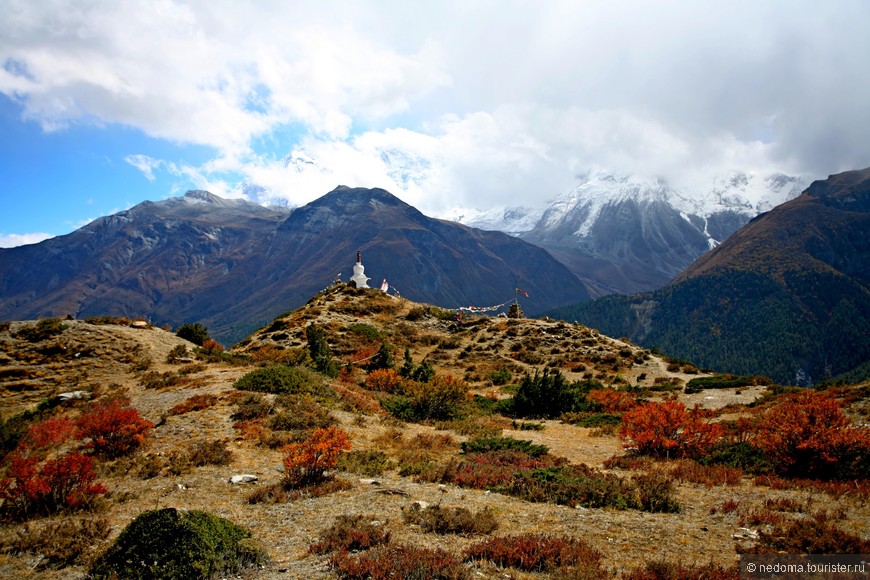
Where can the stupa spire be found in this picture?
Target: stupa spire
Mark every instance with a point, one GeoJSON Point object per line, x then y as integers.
{"type": "Point", "coordinates": [359, 278]}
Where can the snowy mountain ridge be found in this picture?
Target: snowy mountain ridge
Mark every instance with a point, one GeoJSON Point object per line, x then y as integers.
{"type": "Point", "coordinates": [747, 194]}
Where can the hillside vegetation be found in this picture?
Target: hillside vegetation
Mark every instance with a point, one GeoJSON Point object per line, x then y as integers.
{"type": "Point", "coordinates": [364, 433]}
{"type": "Point", "coordinates": [787, 296]}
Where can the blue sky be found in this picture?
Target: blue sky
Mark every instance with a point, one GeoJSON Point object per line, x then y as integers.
{"type": "Point", "coordinates": [447, 104]}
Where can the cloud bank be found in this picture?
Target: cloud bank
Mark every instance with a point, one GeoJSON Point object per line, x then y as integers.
{"type": "Point", "coordinates": [451, 103]}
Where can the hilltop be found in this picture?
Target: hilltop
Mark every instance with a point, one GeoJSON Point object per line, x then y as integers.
{"type": "Point", "coordinates": [207, 430]}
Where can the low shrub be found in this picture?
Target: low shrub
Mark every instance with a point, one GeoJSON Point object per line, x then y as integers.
{"type": "Point", "coordinates": [501, 376]}
{"type": "Point", "coordinates": [485, 444]}
{"type": "Point", "coordinates": [440, 399]}
{"type": "Point", "coordinates": [451, 520]}
{"type": "Point", "coordinates": [668, 429]}
{"type": "Point", "coordinates": [398, 561]}
{"type": "Point", "coordinates": [210, 453]}
{"type": "Point", "coordinates": [60, 544]}
{"type": "Point", "coordinates": [157, 380]}
{"type": "Point", "coordinates": [64, 483]}
{"type": "Point", "coordinates": [278, 379]}
{"type": "Point", "coordinates": [370, 463]}
{"type": "Point", "coordinates": [46, 434]}
{"type": "Point", "coordinates": [178, 354]}
{"type": "Point", "coordinates": [809, 435]}
{"type": "Point", "coordinates": [194, 403]}
{"type": "Point", "coordinates": [169, 543]}
{"type": "Point", "coordinates": [738, 454]}
{"type": "Point", "coordinates": [351, 534]}
{"type": "Point", "coordinates": [268, 494]}
{"type": "Point", "coordinates": [572, 485]}
{"type": "Point", "coordinates": [722, 382]}
{"type": "Point", "coordinates": [709, 475]}
{"type": "Point", "coordinates": [655, 493]}
{"type": "Point", "coordinates": [547, 395]}
{"type": "Point", "coordinates": [591, 420]}
{"type": "Point", "coordinates": [612, 401]}
{"type": "Point", "coordinates": [306, 463]}
{"type": "Point", "coordinates": [300, 412]}
{"type": "Point", "coordinates": [814, 535]}
{"type": "Point", "coordinates": [42, 330]}
{"type": "Point", "coordinates": [252, 406]}
{"type": "Point", "coordinates": [537, 553]}
{"type": "Point", "coordinates": [385, 380]}
{"type": "Point", "coordinates": [113, 427]}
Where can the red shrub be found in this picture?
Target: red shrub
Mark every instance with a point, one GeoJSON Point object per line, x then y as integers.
{"type": "Point", "coordinates": [46, 434]}
{"type": "Point", "coordinates": [113, 427]}
{"type": "Point", "coordinates": [398, 561]}
{"type": "Point", "coordinates": [808, 435]}
{"type": "Point", "coordinates": [63, 483]}
{"type": "Point", "coordinates": [709, 475]}
{"type": "Point", "coordinates": [535, 553]}
{"type": "Point", "coordinates": [195, 403]}
{"type": "Point", "coordinates": [612, 401]}
{"type": "Point", "coordinates": [306, 463]}
{"type": "Point", "coordinates": [669, 430]}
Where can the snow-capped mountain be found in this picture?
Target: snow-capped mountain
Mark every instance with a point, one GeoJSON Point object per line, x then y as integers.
{"type": "Point", "coordinates": [627, 233]}
{"type": "Point", "coordinates": [513, 220]}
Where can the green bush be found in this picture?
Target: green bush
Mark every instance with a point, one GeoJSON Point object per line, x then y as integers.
{"type": "Point", "coordinates": [547, 395]}
{"type": "Point", "coordinates": [440, 399]}
{"type": "Point", "coordinates": [321, 353]}
{"type": "Point", "coordinates": [279, 379]}
{"type": "Point", "coordinates": [168, 543]}
{"type": "Point", "coordinates": [193, 332]}
{"type": "Point", "coordinates": [723, 382]}
{"type": "Point", "coordinates": [739, 454]}
{"type": "Point", "coordinates": [500, 377]}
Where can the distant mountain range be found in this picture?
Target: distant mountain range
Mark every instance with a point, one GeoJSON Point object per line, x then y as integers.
{"type": "Point", "coordinates": [234, 265]}
{"type": "Point", "coordinates": [624, 233]}
{"type": "Point", "coordinates": [788, 295]}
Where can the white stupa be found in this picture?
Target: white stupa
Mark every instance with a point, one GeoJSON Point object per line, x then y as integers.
{"type": "Point", "coordinates": [359, 278]}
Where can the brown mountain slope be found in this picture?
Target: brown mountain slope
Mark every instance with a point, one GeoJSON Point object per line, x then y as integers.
{"type": "Point", "coordinates": [787, 296]}
{"type": "Point", "coordinates": [233, 265]}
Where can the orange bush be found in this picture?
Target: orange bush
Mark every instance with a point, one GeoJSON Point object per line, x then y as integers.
{"type": "Point", "coordinates": [306, 463]}
{"type": "Point", "coordinates": [113, 427]}
{"type": "Point", "coordinates": [386, 380]}
{"type": "Point", "coordinates": [809, 435]}
{"type": "Point", "coordinates": [611, 400]}
{"type": "Point", "coordinates": [669, 430]}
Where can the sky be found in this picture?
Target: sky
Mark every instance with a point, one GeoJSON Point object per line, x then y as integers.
{"type": "Point", "coordinates": [473, 103]}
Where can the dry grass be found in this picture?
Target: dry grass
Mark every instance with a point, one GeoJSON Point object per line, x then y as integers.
{"type": "Point", "coordinates": [204, 409]}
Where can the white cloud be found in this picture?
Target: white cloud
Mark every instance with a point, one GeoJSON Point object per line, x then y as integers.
{"type": "Point", "coordinates": [14, 240]}
{"type": "Point", "coordinates": [145, 164]}
{"type": "Point", "coordinates": [449, 102]}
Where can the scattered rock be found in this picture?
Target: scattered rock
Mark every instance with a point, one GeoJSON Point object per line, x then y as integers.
{"type": "Point", "coordinates": [242, 478]}
{"type": "Point", "coordinates": [74, 396]}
